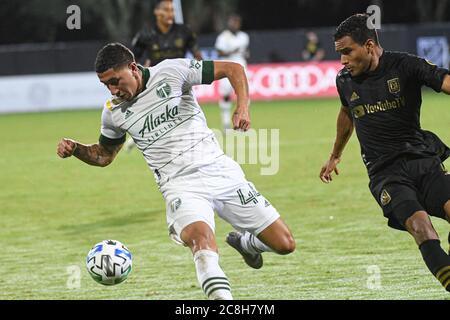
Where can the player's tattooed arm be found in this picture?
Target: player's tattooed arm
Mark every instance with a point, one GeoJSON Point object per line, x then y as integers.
{"type": "Point", "coordinates": [95, 154]}
{"type": "Point", "coordinates": [446, 84]}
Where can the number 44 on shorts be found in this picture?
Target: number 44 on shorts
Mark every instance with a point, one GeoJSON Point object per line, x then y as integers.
{"type": "Point", "coordinates": [248, 195]}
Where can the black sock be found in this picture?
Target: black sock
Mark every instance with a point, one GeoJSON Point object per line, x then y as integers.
{"type": "Point", "coordinates": [437, 261]}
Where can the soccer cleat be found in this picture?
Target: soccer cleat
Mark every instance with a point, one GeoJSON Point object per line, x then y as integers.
{"type": "Point", "coordinates": [254, 261]}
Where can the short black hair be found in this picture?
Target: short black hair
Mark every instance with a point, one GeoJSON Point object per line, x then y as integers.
{"type": "Point", "coordinates": [113, 55]}
{"type": "Point", "coordinates": [357, 28]}
{"type": "Point", "coordinates": [159, 2]}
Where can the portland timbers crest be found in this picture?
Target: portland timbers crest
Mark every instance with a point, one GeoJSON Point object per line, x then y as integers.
{"type": "Point", "coordinates": [163, 90]}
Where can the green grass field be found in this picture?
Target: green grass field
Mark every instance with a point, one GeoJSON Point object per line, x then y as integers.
{"type": "Point", "coordinates": [53, 211]}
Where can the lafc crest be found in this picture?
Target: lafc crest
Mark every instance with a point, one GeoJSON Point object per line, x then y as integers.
{"type": "Point", "coordinates": [385, 197]}
{"type": "Point", "coordinates": [394, 85]}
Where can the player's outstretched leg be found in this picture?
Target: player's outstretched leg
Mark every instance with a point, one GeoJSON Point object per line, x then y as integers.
{"type": "Point", "coordinates": [200, 238]}
{"type": "Point", "coordinates": [225, 112]}
{"type": "Point", "coordinates": [436, 259]}
{"type": "Point", "coordinates": [275, 238]}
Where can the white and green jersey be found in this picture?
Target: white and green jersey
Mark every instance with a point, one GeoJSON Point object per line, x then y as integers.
{"type": "Point", "coordinates": [165, 119]}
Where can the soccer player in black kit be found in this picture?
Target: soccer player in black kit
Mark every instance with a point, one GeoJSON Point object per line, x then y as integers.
{"type": "Point", "coordinates": [164, 39]}
{"type": "Point", "coordinates": [380, 92]}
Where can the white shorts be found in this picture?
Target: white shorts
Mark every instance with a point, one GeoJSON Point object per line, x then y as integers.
{"type": "Point", "coordinates": [219, 187]}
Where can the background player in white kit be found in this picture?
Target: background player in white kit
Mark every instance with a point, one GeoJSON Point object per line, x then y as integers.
{"type": "Point", "coordinates": [156, 106]}
{"type": "Point", "coordinates": [231, 45]}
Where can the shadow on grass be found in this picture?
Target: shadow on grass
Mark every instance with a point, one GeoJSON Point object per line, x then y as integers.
{"type": "Point", "coordinates": [143, 217]}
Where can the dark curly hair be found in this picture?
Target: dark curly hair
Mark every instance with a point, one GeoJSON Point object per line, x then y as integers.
{"type": "Point", "coordinates": [113, 55]}
{"type": "Point", "coordinates": [356, 27]}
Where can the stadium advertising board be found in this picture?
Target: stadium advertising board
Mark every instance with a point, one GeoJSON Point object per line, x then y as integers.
{"type": "Point", "coordinates": [83, 90]}
{"type": "Point", "coordinates": [283, 81]}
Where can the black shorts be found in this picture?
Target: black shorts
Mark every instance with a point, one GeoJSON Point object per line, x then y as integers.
{"type": "Point", "coordinates": [409, 185]}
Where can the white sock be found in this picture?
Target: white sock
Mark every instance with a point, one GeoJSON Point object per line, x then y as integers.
{"type": "Point", "coordinates": [252, 244]}
{"type": "Point", "coordinates": [211, 278]}
{"type": "Point", "coordinates": [225, 112]}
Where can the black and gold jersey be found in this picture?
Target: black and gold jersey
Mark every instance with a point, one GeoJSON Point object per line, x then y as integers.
{"type": "Point", "coordinates": [159, 46]}
{"type": "Point", "coordinates": [385, 107]}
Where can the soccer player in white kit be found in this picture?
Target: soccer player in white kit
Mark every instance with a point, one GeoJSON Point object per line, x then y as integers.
{"type": "Point", "coordinates": [156, 107]}
{"type": "Point", "coordinates": [231, 45]}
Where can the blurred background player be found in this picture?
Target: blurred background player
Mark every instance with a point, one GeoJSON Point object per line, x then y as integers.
{"type": "Point", "coordinates": [163, 39]}
{"type": "Point", "coordinates": [313, 50]}
{"type": "Point", "coordinates": [231, 44]}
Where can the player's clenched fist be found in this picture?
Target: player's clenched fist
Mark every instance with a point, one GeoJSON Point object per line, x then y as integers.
{"type": "Point", "coordinates": [66, 148]}
{"type": "Point", "coordinates": [241, 119]}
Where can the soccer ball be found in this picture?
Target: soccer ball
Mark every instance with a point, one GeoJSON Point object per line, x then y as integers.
{"type": "Point", "coordinates": [109, 262]}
